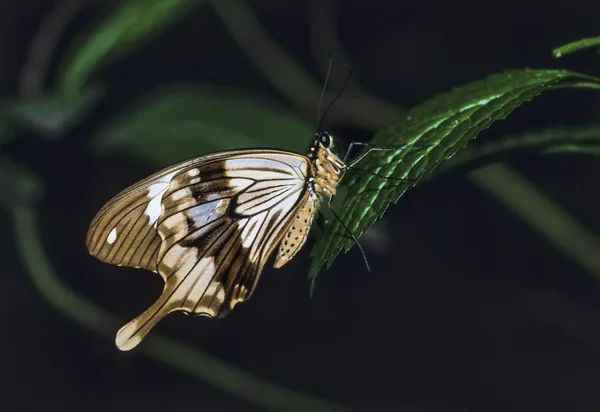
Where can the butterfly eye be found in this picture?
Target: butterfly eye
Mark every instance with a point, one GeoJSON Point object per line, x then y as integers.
{"type": "Point", "coordinates": [325, 139]}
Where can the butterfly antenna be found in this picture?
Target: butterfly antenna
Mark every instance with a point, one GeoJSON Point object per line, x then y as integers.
{"type": "Point", "coordinates": [337, 96]}
{"type": "Point", "coordinates": [364, 255]}
{"type": "Point", "coordinates": [319, 118]}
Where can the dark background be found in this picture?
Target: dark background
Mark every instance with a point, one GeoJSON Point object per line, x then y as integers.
{"type": "Point", "coordinates": [466, 309]}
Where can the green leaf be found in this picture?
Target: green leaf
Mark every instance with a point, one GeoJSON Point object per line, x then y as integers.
{"type": "Point", "coordinates": [580, 139]}
{"type": "Point", "coordinates": [131, 23]}
{"type": "Point", "coordinates": [52, 115]}
{"type": "Point", "coordinates": [440, 127]}
{"type": "Point", "coordinates": [576, 46]}
{"type": "Point", "coordinates": [176, 124]}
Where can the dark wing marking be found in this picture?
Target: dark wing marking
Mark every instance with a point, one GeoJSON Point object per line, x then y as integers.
{"type": "Point", "coordinates": [220, 222]}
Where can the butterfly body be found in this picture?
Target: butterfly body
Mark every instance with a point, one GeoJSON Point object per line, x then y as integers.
{"type": "Point", "coordinates": [209, 225]}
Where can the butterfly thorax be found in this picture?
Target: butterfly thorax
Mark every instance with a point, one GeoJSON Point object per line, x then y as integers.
{"type": "Point", "coordinates": [328, 167]}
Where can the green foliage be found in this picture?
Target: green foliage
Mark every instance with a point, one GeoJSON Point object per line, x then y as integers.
{"type": "Point", "coordinates": [576, 46]}
{"type": "Point", "coordinates": [20, 187]}
{"type": "Point", "coordinates": [441, 127]}
{"type": "Point", "coordinates": [581, 139]}
{"type": "Point", "coordinates": [51, 115]}
{"type": "Point", "coordinates": [132, 22]}
{"type": "Point", "coordinates": [180, 123]}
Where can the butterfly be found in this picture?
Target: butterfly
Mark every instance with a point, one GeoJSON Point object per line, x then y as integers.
{"type": "Point", "coordinates": [209, 225]}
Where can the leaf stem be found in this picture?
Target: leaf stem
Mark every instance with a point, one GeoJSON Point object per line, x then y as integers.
{"type": "Point", "coordinates": [43, 45]}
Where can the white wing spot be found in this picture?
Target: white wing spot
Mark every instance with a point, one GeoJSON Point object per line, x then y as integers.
{"type": "Point", "coordinates": [156, 188]}
{"type": "Point", "coordinates": [156, 192]}
{"type": "Point", "coordinates": [153, 209]}
{"type": "Point", "coordinates": [112, 236]}
{"type": "Point", "coordinates": [193, 172]}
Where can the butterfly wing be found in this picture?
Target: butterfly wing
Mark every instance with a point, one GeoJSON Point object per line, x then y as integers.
{"type": "Point", "coordinates": [124, 232]}
{"type": "Point", "coordinates": [220, 221]}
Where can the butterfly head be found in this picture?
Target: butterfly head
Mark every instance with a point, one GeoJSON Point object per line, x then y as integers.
{"type": "Point", "coordinates": [323, 141]}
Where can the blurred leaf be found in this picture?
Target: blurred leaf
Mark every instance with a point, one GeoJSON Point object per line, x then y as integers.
{"type": "Point", "coordinates": [174, 125]}
{"type": "Point", "coordinates": [580, 139]}
{"type": "Point", "coordinates": [590, 149]}
{"type": "Point", "coordinates": [132, 22]}
{"type": "Point", "coordinates": [576, 46]}
{"type": "Point", "coordinates": [441, 127]}
{"type": "Point", "coordinates": [19, 187]}
{"type": "Point", "coordinates": [6, 131]}
{"type": "Point", "coordinates": [52, 115]}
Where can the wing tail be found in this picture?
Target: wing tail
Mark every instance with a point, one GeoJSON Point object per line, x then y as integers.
{"type": "Point", "coordinates": [189, 282]}
{"type": "Point", "coordinates": [130, 335]}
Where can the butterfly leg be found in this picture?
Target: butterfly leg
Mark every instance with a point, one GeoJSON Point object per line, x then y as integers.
{"type": "Point", "coordinates": [364, 255]}
{"type": "Point", "coordinates": [383, 177]}
{"type": "Point", "coordinates": [371, 148]}
{"type": "Point", "coordinates": [354, 238]}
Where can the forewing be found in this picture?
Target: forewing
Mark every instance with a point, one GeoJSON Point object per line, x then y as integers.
{"type": "Point", "coordinates": [220, 222]}
{"type": "Point", "coordinates": [124, 232]}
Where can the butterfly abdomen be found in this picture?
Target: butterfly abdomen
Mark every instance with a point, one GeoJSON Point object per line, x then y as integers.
{"type": "Point", "coordinates": [297, 233]}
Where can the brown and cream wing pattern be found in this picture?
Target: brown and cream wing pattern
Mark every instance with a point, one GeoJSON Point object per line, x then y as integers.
{"type": "Point", "coordinates": [219, 223]}
{"type": "Point", "coordinates": [124, 232]}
